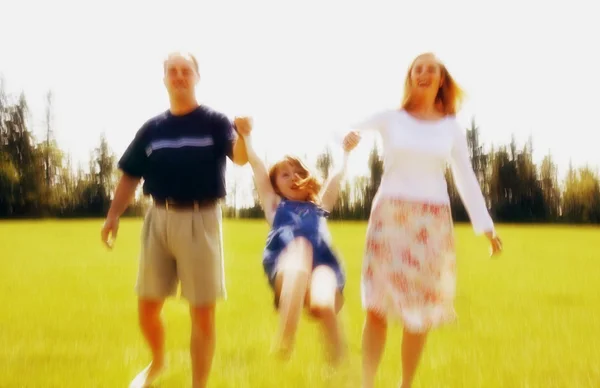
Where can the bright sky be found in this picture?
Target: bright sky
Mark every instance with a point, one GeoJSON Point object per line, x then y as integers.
{"type": "Point", "coordinates": [306, 69]}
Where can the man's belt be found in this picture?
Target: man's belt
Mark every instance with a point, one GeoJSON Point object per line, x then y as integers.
{"type": "Point", "coordinates": [171, 204]}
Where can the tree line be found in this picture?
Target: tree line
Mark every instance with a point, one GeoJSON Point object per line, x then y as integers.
{"type": "Point", "coordinates": [38, 179]}
{"type": "Point", "coordinates": [516, 189]}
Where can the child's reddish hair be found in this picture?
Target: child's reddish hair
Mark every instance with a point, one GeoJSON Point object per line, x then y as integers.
{"type": "Point", "coordinates": [308, 182]}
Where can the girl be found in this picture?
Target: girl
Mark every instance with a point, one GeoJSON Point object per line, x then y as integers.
{"type": "Point", "coordinates": [409, 263]}
{"type": "Point", "coordinates": [298, 260]}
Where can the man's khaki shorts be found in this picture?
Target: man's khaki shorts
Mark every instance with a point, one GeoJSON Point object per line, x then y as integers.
{"type": "Point", "coordinates": [182, 246]}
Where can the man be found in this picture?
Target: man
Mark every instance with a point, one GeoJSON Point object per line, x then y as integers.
{"type": "Point", "coordinates": [181, 155]}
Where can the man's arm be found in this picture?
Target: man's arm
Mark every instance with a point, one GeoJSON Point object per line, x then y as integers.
{"type": "Point", "coordinates": [239, 153]}
{"type": "Point", "coordinates": [133, 165]}
{"type": "Point", "coordinates": [124, 194]}
{"type": "Point", "coordinates": [232, 141]}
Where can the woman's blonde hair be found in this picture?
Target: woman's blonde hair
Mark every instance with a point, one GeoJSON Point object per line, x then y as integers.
{"type": "Point", "coordinates": [308, 182]}
{"type": "Point", "coordinates": [450, 95]}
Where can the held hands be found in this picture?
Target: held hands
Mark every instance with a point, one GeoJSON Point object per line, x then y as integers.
{"type": "Point", "coordinates": [243, 124]}
{"type": "Point", "coordinates": [351, 140]}
{"type": "Point", "coordinates": [496, 243]}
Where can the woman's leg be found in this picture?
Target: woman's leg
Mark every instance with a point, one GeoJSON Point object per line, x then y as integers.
{"type": "Point", "coordinates": [373, 344]}
{"type": "Point", "coordinates": [412, 348]}
{"type": "Point", "coordinates": [291, 285]}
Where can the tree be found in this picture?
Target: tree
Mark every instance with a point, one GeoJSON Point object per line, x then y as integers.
{"type": "Point", "coordinates": [9, 175]}
{"type": "Point", "coordinates": [325, 162]}
{"type": "Point", "coordinates": [38, 179]}
{"type": "Point", "coordinates": [49, 139]}
{"type": "Point", "coordinates": [459, 212]}
{"type": "Point", "coordinates": [531, 199]}
{"type": "Point", "coordinates": [52, 160]}
{"type": "Point", "coordinates": [341, 210]}
{"type": "Point", "coordinates": [362, 200]}
{"type": "Point", "coordinates": [23, 155]}
{"type": "Point", "coordinates": [582, 196]}
{"type": "Point", "coordinates": [376, 173]}
{"type": "Point", "coordinates": [105, 161]}
{"type": "Point", "coordinates": [476, 152]}
{"type": "Point", "coordinates": [549, 188]}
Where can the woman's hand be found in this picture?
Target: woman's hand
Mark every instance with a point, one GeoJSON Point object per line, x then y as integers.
{"type": "Point", "coordinates": [495, 242]}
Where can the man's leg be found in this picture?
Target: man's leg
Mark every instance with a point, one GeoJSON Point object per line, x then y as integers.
{"type": "Point", "coordinates": [196, 241]}
{"type": "Point", "coordinates": [202, 343]}
{"type": "Point", "coordinates": [157, 279]}
{"type": "Point", "coordinates": [153, 330]}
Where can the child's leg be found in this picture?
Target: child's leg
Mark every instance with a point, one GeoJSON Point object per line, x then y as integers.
{"type": "Point", "coordinates": [325, 302]}
{"type": "Point", "coordinates": [291, 284]}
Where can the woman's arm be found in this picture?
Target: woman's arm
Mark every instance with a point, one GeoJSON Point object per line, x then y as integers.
{"type": "Point", "coordinates": [470, 192]}
{"type": "Point", "coordinates": [374, 122]}
{"type": "Point", "coordinates": [468, 186]}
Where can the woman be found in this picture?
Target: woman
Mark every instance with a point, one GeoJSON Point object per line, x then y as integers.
{"type": "Point", "coordinates": [409, 263]}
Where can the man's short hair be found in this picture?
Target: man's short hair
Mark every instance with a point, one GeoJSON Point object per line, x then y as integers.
{"type": "Point", "coordinates": [185, 54]}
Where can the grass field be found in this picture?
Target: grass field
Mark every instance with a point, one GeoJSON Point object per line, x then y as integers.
{"type": "Point", "coordinates": [528, 319]}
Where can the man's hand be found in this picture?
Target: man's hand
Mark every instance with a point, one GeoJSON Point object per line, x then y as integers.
{"type": "Point", "coordinates": [243, 125]}
{"type": "Point", "coordinates": [351, 140]}
{"type": "Point", "coordinates": [124, 194]}
{"type": "Point", "coordinates": [111, 226]}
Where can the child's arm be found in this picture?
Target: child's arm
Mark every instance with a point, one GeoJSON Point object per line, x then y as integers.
{"type": "Point", "coordinates": [267, 196]}
{"type": "Point", "coordinates": [331, 188]}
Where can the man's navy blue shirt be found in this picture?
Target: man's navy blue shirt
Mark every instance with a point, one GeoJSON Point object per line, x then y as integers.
{"type": "Point", "coordinates": [182, 158]}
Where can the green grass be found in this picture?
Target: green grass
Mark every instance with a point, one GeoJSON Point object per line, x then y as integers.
{"type": "Point", "coordinates": [68, 319]}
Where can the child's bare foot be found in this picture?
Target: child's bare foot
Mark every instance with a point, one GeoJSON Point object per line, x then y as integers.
{"type": "Point", "coordinates": [337, 354]}
{"type": "Point", "coordinates": [147, 376]}
{"type": "Point", "coordinates": [282, 350]}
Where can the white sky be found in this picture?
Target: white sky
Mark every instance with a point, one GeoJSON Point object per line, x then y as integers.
{"type": "Point", "coordinates": [306, 69]}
